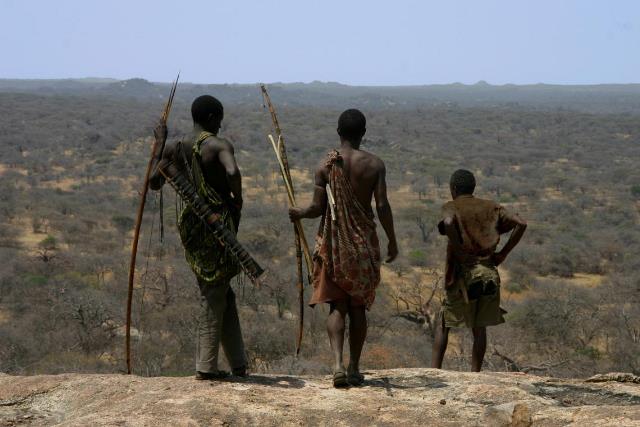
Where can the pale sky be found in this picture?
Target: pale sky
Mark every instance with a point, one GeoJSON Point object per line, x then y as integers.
{"type": "Point", "coordinates": [370, 42]}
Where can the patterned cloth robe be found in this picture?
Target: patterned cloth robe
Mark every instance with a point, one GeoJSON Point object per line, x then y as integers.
{"type": "Point", "coordinates": [207, 257]}
{"type": "Point", "coordinates": [347, 251]}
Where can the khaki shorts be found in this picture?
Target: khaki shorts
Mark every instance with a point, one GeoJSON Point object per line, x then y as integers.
{"type": "Point", "coordinates": [482, 283]}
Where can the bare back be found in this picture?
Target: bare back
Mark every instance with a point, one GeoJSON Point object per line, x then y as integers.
{"type": "Point", "coordinates": [367, 175]}
{"type": "Point", "coordinates": [215, 173]}
{"type": "Point", "coordinates": [363, 171]}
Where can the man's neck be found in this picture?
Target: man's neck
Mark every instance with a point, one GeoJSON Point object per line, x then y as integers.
{"type": "Point", "coordinates": [463, 196]}
{"type": "Point", "coordinates": [198, 129]}
{"type": "Point", "coordinates": [349, 145]}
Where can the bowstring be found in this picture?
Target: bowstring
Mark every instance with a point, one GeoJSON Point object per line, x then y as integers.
{"type": "Point", "coordinates": [143, 280]}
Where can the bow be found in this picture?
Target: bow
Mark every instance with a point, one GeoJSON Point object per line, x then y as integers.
{"type": "Point", "coordinates": [300, 239]}
{"type": "Point", "coordinates": [136, 233]}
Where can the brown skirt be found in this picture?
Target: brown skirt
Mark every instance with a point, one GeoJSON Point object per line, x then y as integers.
{"type": "Point", "coordinates": [325, 290]}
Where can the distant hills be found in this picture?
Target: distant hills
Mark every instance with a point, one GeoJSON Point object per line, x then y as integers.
{"type": "Point", "coordinates": [607, 98]}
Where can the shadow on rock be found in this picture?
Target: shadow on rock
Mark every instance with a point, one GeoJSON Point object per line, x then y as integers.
{"type": "Point", "coordinates": [420, 381]}
{"type": "Point", "coordinates": [573, 395]}
{"type": "Point", "coordinates": [271, 381]}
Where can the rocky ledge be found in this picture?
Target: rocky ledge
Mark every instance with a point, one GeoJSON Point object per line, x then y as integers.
{"type": "Point", "coordinates": [389, 397]}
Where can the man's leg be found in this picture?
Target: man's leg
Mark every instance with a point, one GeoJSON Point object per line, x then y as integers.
{"type": "Point", "coordinates": [357, 336]}
{"type": "Point", "coordinates": [440, 341]}
{"type": "Point", "coordinates": [336, 328]}
{"type": "Point", "coordinates": [213, 303]}
{"type": "Point", "coordinates": [479, 348]}
{"type": "Point", "coordinates": [232, 342]}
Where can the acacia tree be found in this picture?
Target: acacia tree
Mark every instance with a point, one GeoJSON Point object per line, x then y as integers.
{"type": "Point", "coordinates": [416, 301]}
{"type": "Point", "coordinates": [47, 249]}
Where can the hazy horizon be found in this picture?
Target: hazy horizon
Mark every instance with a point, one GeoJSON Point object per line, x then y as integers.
{"type": "Point", "coordinates": [370, 43]}
{"type": "Point", "coordinates": [478, 83]}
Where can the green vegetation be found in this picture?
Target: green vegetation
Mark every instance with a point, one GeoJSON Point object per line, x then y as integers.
{"type": "Point", "coordinates": [417, 258]}
{"type": "Point", "coordinates": [72, 161]}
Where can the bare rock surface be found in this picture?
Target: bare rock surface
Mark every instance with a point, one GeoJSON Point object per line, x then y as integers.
{"type": "Point", "coordinates": [389, 397]}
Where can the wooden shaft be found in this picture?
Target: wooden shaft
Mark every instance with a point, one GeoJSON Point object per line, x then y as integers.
{"type": "Point", "coordinates": [134, 253]}
{"type": "Point", "coordinates": [167, 107]}
{"type": "Point", "coordinates": [292, 202]}
{"type": "Point", "coordinates": [136, 232]}
{"type": "Point", "coordinates": [300, 239]}
{"type": "Point", "coordinates": [285, 173]}
{"type": "Point", "coordinates": [280, 149]}
{"type": "Point", "coordinates": [272, 111]}
{"type": "Point", "coordinates": [300, 291]}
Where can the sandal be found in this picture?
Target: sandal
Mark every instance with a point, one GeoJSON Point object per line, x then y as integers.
{"type": "Point", "coordinates": [218, 375]}
{"type": "Point", "coordinates": [340, 379]}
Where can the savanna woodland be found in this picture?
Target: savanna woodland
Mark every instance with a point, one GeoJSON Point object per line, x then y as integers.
{"type": "Point", "coordinates": [73, 154]}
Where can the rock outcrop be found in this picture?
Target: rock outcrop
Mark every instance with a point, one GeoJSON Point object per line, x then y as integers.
{"type": "Point", "coordinates": [391, 397]}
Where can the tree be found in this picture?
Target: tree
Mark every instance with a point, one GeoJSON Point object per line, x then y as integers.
{"type": "Point", "coordinates": [414, 300]}
{"type": "Point", "coordinates": [47, 249]}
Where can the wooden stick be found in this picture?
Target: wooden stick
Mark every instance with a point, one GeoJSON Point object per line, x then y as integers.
{"type": "Point", "coordinates": [300, 291]}
{"type": "Point", "coordinates": [136, 232]}
{"type": "Point", "coordinates": [332, 201]}
{"type": "Point", "coordinates": [300, 239]}
{"type": "Point", "coordinates": [283, 171]}
{"type": "Point", "coordinates": [292, 202]}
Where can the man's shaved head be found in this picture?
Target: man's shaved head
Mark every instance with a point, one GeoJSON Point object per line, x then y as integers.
{"type": "Point", "coordinates": [206, 109]}
{"type": "Point", "coordinates": [463, 182]}
{"type": "Point", "coordinates": [352, 125]}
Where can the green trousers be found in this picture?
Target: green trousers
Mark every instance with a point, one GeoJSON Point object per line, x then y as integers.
{"type": "Point", "coordinates": [482, 283]}
{"type": "Point", "coordinates": [218, 323]}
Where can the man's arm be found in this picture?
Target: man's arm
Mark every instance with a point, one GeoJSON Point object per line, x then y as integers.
{"type": "Point", "coordinates": [226, 156]}
{"type": "Point", "coordinates": [514, 239]}
{"type": "Point", "coordinates": [319, 202]}
{"type": "Point", "coordinates": [161, 157]}
{"type": "Point", "coordinates": [383, 208]}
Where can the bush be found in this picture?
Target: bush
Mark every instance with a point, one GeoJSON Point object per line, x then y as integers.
{"type": "Point", "coordinates": [417, 258]}
{"type": "Point", "coordinates": [122, 223]}
{"type": "Point", "coordinates": [514, 288]}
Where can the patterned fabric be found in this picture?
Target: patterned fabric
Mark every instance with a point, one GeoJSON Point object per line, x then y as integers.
{"type": "Point", "coordinates": [347, 250]}
{"type": "Point", "coordinates": [208, 259]}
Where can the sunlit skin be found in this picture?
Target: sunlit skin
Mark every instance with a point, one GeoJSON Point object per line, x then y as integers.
{"type": "Point", "coordinates": [441, 338]}
{"type": "Point", "coordinates": [218, 161]}
{"type": "Point", "coordinates": [366, 174]}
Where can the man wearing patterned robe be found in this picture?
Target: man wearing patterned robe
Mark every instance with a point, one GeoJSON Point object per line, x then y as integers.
{"type": "Point", "coordinates": [209, 161]}
{"type": "Point", "coordinates": [347, 253]}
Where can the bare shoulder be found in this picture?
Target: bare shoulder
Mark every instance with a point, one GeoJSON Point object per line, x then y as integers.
{"type": "Point", "coordinates": [376, 162]}
{"type": "Point", "coordinates": [213, 146]}
{"type": "Point", "coordinates": [218, 144]}
{"type": "Point", "coordinates": [372, 161]}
